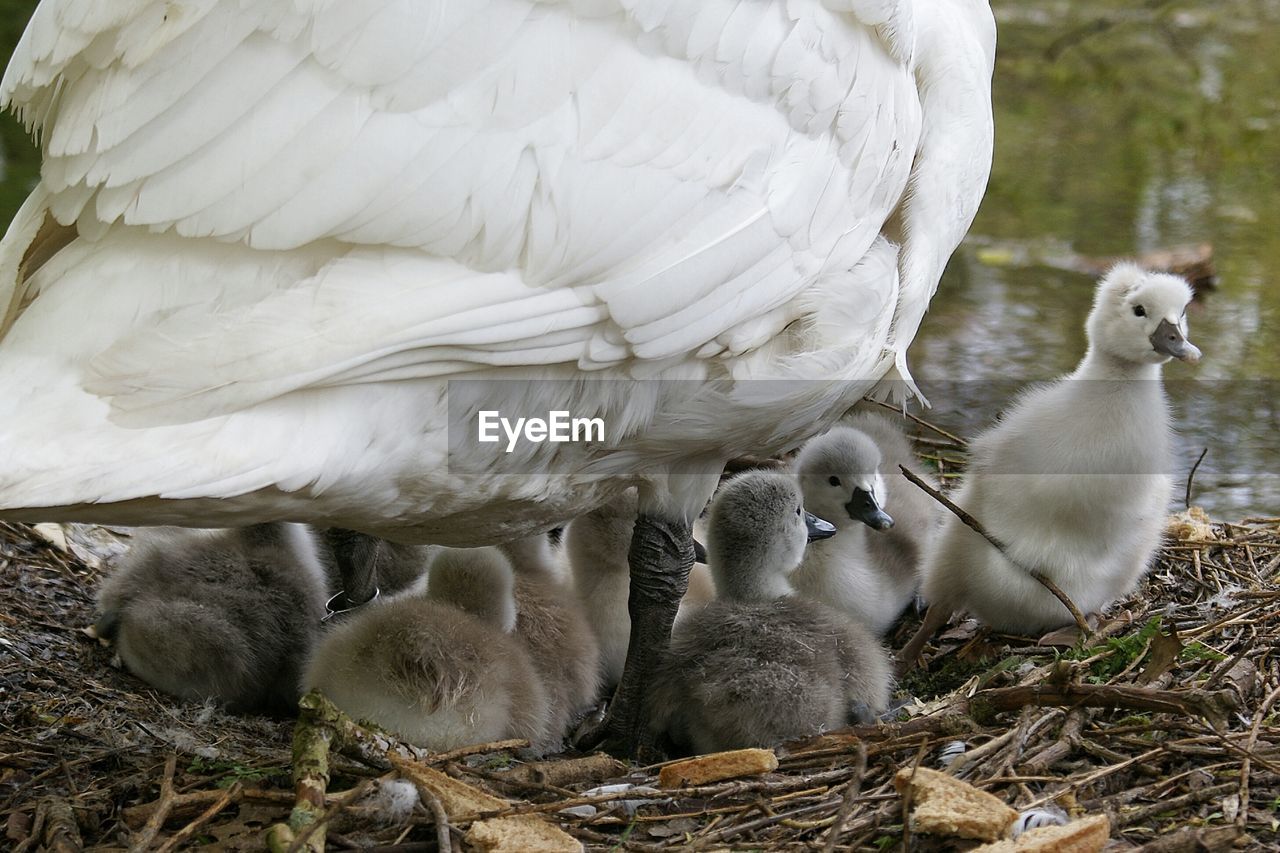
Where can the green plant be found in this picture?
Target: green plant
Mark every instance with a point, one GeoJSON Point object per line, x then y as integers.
{"type": "Point", "coordinates": [230, 772]}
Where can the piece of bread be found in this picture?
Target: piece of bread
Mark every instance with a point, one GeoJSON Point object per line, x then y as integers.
{"type": "Point", "coordinates": [517, 834]}
{"type": "Point", "coordinates": [944, 805]}
{"type": "Point", "coordinates": [705, 769]}
{"type": "Point", "coordinates": [1087, 835]}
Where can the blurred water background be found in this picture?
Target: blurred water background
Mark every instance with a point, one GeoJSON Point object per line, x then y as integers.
{"type": "Point", "coordinates": [1122, 128]}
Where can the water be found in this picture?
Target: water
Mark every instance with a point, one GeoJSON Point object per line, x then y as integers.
{"type": "Point", "coordinates": [1160, 130]}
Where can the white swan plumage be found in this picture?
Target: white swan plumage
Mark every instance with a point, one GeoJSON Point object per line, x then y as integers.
{"type": "Point", "coordinates": [267, 233]}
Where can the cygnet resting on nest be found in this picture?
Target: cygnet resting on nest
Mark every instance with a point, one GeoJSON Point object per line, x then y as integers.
{"type": "Point", "coordinates": [762, 665]}
{"type": "Point", "coordinates": [226, 614]}
{"type": "Point", "coordinates": [550, 623]}
{"type": "Point", "coordinates": [442, 670]}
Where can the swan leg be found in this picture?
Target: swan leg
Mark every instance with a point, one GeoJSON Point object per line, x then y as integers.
{"type": "Point", "coordinates": [934, 619]}
{"type": "Point", "coordinates": [356, 555]}
{"type": "Point", "coordinates": [661, 557]}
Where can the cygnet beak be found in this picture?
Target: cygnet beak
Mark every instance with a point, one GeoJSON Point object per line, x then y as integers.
{"type": "Point", "coordinates": [863, 507]}
{"type": "Point", "coordinates": [699, 552]}
{"type": "Point", "coordinates": [1168, 340]}
{"type": "Point", "coordinates": [818, 529]}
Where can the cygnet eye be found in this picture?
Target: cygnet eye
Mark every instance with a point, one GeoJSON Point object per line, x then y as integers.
{"type": "Point", "coordinates": [798, 510]}
{"type": "Point", "coordinates": [1139, 311]}
{"type": "Point", "coordinates": [835, 481]}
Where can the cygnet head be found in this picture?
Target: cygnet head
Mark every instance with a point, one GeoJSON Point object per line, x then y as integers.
{"type": "Point", "coordinates": [479, 581]}
{"type": "Point", "coordinates": [1140, 317]}
{"type": "Point", "coordinates": [757, 532]}
{"type": "Point", "coordinates": [840, 475]}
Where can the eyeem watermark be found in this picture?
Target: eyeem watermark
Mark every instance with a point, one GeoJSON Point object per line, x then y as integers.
{"type": "Point", "coordinates": [558, 426]}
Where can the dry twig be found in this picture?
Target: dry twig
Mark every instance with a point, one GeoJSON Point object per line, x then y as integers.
{"type": "Point", "coordinates": [152, 827]}
{"type": "Point", "coordinates": [189, 831]}
{"type": "Point", "coordinates": [974, 525]}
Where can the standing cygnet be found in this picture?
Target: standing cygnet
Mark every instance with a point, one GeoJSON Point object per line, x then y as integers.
{"type": "Point", "coordinates": [761, 665]}
{"type": "Point", "coordinates": [441, 670]}
{"type": "Point", "coordinates": [850, 476]}
{"type": "Point", "coordinates": [1075, 479]}
{"type": "Point", "coordinates": [597, 545]}
{"type": "Point", "coordinates": [550, 622]}
{"type": "Point", "coordinates": [227, 614]}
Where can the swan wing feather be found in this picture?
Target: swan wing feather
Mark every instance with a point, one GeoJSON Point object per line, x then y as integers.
{"type": "Point", "coordinates": [665, 172]}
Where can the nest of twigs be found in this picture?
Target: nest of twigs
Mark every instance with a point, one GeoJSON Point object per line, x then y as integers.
{"type": "Point", "coordinates": [1163, 721]}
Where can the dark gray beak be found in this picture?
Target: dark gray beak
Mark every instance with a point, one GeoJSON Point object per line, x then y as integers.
{"type": "Point", "coordinates": [1168, 340]}
{"type": "Point", "coordinates": [818, 529]}
{"type": "Point", "coordinates": [863, 507]}
{"type": "Point", "coordinates": [699, 552]}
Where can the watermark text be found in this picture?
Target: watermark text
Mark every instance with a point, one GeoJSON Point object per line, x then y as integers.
{"type": "Point", "coordinates": [558, 426]}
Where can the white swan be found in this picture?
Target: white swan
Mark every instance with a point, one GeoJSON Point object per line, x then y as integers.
{"type": "Point", "coordinates": [441, 670]}
{"type": "Point", "coordinates": [871, 568]}
{"type": "Point", "coordinates": [227, 615]}
{"type": "Point", "coordinates": [1074, 480]}
{"type": "Point", "coordinates": [762, 665]}
{"type": "Point", "coordinates": [279, 228]}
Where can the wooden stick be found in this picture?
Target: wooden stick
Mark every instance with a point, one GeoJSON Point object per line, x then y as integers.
{"type": "Point", "coordinates": [61, 833]}
{"type": "Point", "coordinates": [961, 717]}
{"type": "Point", "coordinates": [36, 834]}
{"type": "Point", "coordinates": [561, 773]}
{"type": "Point", "coordinates": [474, 749]}
{"type": "Point", "coordinates": [312, 735]}
{"type": "Point", "coordinates": [443, 842]}
{"type": "Point", "coordinates": [191, 802]}
{"type": "Point", "coordinates": [1214, 704]}
{"type": "Point", "coordinates": [1068, 739]}
{"type": "Point", "coordinates": [1174, 804]}
{"type": "Point", "coordinates": [952, 437]}
{"type": "Point", "coordinates": [976, 526]}
{"type": "Point", "coordinates": [356, 741]}
{"type": "Point", "coordinates": [1186, 500]}
{"type": "Point", "coordinates": [370, 746]}
{"type": "Point", "coordinates": [152, 827]}
{"type": "Point", "coordinates": [1192, 839]}
{"type": "Point", "coordinates": [187, 832]}
{"type": "Point", "coordinates": [906, 797]}
{"type": "Point", "coordinates": [1242, 816]}
{"type": "Point", "coordinates": [851, 791]}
